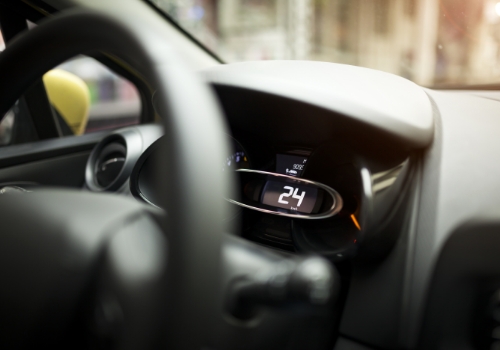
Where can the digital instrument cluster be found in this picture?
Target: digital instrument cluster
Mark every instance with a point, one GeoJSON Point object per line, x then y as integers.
{"type": "Point", "coordinates": [290, 164]}
{"type": "Point", "coordinates": [238, 159]}
{"type": "Point", "coordinates": [285, 193]}
{"type": "Point", "coordinates": [276, 193]}
{"type": "Point", "coordinates": [290, 201]}
{"type": "Point", "coordinates": [293, 197]}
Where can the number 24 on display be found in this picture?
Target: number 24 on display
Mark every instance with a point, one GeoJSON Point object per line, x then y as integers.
{"type": "Point", "coordinates": [293, 194]}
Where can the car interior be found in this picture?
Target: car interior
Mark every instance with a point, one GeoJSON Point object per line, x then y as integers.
{"type": "Point", "coordinates": [273, 204]}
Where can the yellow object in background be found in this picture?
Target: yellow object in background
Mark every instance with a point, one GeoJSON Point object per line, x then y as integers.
{"type": "Point", "coordinates": [70, 96]}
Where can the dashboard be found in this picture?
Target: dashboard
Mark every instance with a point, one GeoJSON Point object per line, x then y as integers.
{"type": "Point", "coordinates": [313, 177]}
{"type": "Point", "coordinates": [288, 200]}
{"type": "Point", "coordinates": [351, 164]}
{"type": "Point", "coordinates": [322, 168]}
{"type": "Point", "coordinates": [286, 186]}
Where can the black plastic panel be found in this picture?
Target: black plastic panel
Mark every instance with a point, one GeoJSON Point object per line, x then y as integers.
{"type": "Point", "coordinates": [465, 281]}
{"type": "Point", "coordinates": [35, 151]}
{"type": "Point", "coordinates": [257, 117]}
{"type": "Point", "coordinates": [63, 171]}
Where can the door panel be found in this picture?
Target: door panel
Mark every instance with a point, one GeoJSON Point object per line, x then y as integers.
{"type": "Point", "coordinates": [55, 162]}
{"type": "Point", "coordinates": [64, 171]}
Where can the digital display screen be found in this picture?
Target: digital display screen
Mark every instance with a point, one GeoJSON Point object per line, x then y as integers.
{"type": "Point", "coordinates": [290, 165]}
{"type": "Point", "coordinates": [290, 196]}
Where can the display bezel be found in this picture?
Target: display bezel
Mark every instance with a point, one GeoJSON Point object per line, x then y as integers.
{"type": "Point", "coordinates": [336, 207]}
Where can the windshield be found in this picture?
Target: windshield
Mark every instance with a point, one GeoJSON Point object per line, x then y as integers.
{"type": "Point", "coordinates": [440, 43]}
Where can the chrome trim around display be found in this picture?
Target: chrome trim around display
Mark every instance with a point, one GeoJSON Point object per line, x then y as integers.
{"type": "Point", "coordinates": [335, 209]}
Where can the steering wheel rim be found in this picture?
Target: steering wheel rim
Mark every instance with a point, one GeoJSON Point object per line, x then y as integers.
{"type": "Point", "coordinates": [195, 146]}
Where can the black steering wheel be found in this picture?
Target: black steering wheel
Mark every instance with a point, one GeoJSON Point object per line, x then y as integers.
{"type": "Point", "coordinates": [74, 262]}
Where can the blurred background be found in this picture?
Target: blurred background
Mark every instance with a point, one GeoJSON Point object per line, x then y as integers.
{"type": "Point", "coordinates": [446, 43]}
{"type": "Point", "coordinates": [114, 101]}
{"type": "Point", "coordinates": [435, 43]}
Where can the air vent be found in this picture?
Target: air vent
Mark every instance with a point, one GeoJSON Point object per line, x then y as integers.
{"type": "Point", "coordinates": [110, 163]}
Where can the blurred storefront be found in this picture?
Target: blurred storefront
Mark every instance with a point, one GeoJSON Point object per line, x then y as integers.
{"type": "Point", "coordinates": [431, 42]}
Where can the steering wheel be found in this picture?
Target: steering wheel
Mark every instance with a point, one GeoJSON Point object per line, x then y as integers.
{"type": "Point", "coordinates": [74, 262]}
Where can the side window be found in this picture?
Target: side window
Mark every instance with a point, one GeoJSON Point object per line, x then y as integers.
{"type": "Point", "coordinates": [85, 97]}
{"type": "Point", "coordinates": [113, 100]}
